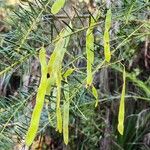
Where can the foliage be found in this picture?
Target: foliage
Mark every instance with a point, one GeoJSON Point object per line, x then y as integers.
{"type": "Point", "coordinates": [27, 27]}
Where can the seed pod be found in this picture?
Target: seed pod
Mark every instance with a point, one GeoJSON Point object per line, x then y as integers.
{"type": "Point", "coordinates": [90, 48]}
{"type": "Point", "coordinates": [90, 55]}
{"type": "Point", "coordinates": [106, 37]}
{"type": "Point", "coordinates": [34, 124]}
{"type": "Point", "coordinates": [66, 114]}
{"type": "Point", "coordinates": [122, 107]}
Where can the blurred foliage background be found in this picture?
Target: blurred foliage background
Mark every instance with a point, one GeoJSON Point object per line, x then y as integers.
{"type": "Point", "coordinates": [26, 25]}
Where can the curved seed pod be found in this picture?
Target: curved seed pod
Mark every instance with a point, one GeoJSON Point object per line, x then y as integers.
{"type": "Point", "coordinates": [122, 107]}
{"type": "Point", "coordinates": [106, 37]}
{"type": "Point", "coordinates": [58, 4]}
{"type": "Point", "coordinates": [31, 133]}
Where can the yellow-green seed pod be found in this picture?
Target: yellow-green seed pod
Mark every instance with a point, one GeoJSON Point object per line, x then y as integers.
{"type": "Point", "coordinates": [66, 114]}
{"type": "Point", "coordinates": [122, 107]}
{"type": "Point", "coordinates": [106, 37]}
{"type": "Point", "coordinates": [34, 124]}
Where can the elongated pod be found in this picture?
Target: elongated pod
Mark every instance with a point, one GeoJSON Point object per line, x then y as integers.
{"type": "Point", "coordinates": [106, 37]}
{"type": "Point", "coordinates": [90, 55]}
{"type": "Point", "coordinates": [34, 124]}
{"type": "Point", "coordinates": [66, 114]}
{"type": "Point", "coordinates": [122, 107]}
{"type": "Point", "coordinates": [90, 48]}
{"type": "Point", "coordinates": [58, 109]}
